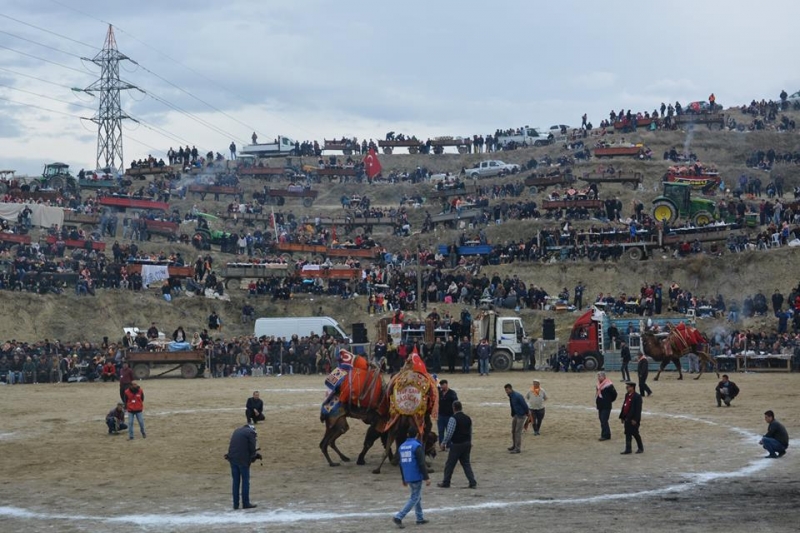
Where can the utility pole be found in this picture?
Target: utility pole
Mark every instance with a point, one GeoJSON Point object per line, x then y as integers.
{"type": "Point", "coordinates": [109, 114]}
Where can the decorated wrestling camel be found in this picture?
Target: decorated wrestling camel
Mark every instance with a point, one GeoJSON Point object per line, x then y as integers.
{"type": "Point", "coordinates": [357, 390]}
{"type": "Point", "coordinates": [681, 340]}
{"type": "Point", "coordinates": [413, 399]}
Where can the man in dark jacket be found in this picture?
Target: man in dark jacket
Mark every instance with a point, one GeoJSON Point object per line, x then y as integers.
{"type": "Point", "coordinates": [241, 453]}
{"type": "Point", "coordinates": [115, 419]}
{"type": "Point", "coordinates": [625, 357]}
{"type": "Point", "coordinates": [631, 416]}
{"type": "Point", "coordinates": [254, 410]}
{"type": "Point", "coordinates": [447, 397]}
{"type": "Point", "coordinates": [642, 370]}
{"type": "Point", "coordinates": [605, 396]}
{"type": "Point", "coordinates": [450, 352]}
{"type": "Point", "coordinates": [519, 414]}
{"type": "Point", "coordinates": [777, 438]}
{"type": "Point", "coordinates": [458, 437]}
{"type": "Point", "coordinates": [125, 379]}
{"type": "Point", "coordinates": [726, 391]}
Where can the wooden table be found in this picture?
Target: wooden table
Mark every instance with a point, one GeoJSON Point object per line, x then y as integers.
{"type": "Point", "coordinates": [764, 363]}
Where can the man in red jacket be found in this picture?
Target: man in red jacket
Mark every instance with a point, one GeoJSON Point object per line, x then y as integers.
{"type": "Point", "coordinates": [134, 404]}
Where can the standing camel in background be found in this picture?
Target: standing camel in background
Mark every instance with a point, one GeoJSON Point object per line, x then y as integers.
{"type": "Point", "coordinates": [680, 341]}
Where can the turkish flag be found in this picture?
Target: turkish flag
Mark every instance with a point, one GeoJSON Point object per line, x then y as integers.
{"type": "Point", "coordinates": [371, 164]}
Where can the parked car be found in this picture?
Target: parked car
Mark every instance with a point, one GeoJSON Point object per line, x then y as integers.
{"type": "Point", "coordinates": [492, 167]}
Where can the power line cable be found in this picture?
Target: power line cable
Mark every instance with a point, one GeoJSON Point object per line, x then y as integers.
{"type": "Point", "coordinates": [191, 116]}
{"type": "Point", "coordinates": [86, 72]}
{"type": "Point", "coordinates": [35, 78]}
{"type": "Point", "coordinates": [161, 131]}
{"type": "Point", "coordinates": [48, 31]}
{"type": "Point", "coordinates": [45, 96]}
{"type": "Point", "coordinates": [193, 96]}
{"type": "Point", "coordinates": [40, 44]}
{"type": "Point", "coordinates": [40, 107]}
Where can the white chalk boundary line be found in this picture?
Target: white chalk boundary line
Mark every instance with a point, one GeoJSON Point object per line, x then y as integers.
{"type": "Point", "coordinates": [286, 516]}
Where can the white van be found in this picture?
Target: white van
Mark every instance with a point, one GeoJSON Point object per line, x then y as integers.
{"type": "Point", "coordinates": [302, 326]}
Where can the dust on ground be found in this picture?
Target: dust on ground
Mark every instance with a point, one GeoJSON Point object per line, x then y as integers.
{"type": "Point", "coordinates": [702, 467]}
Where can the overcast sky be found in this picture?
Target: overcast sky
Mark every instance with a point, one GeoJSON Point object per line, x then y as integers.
{"type": "Point", "coordinates": [313, 69]}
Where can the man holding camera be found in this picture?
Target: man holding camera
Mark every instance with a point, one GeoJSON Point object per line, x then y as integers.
{"type": "Point", "coordinates": [242, 452]}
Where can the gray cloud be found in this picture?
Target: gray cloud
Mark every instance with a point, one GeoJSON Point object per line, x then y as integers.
{"type": "Point", "coordinates": [427, 67]}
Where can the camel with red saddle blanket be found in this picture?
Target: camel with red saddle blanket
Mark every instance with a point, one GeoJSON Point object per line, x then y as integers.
{"type": "Point", "coordinates": [681, 340]}
{"type": "Point", "coordinates": [358, 391]}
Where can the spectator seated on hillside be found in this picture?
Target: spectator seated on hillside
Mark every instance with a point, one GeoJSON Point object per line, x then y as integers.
{"type": "Point", "coordinates": [109, 371]}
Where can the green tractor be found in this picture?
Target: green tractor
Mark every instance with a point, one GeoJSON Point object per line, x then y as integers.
{"type": "Point", "coordinates": [677, 202]}
{"type": "Point", "coordinates": [58, 176]}
{"type": "Point", "coordinates": [204, 236]}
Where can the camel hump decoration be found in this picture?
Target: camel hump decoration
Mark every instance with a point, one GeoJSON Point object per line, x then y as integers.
{"type": "Point", "coordinates": [682, 339]}
{"type": "Point", "coordinates": [355, 390]}
{"type": "Point", "coordinates": [354, 383]}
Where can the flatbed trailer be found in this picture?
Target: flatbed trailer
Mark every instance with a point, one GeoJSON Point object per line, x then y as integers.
{"type": "Point", "coordinates": [616, 151]}
{"type": "Point", "coordinates": [127, 202]}
{"type": "Point", "coordinates": [216, 190]}
{"type": "Point", "coordinates": [346, 146]}
{"type": "Point", "coordinates": [191, 363]}
{"type": "Point", "coordinates": [648, 244]}
{"type": "Point", "coordinates": [467, 249]}
{"type": "Point", "coordinates": [179, 272]}
{"type": "Point", "coordinates": [466, 214]}
{"type": "Point", "coordinates": [585, 203]}
{"type": "Point", "coordinates": [334, 272]}
{"type": "Point", "coordinates": [98, 246]}
{"type": "Point", "coordinates": [413, 145]}
{"type": "Point", "coordinates": [234, 273]}
{"type": "Point", "coordinates": [710, 120]}
{"type": "Point", "coordinates": [162, 227]}
{"type": "Point", "coordinates": [14, 238]}
{"type": "Point", "coordinates": [98, 184]}
{"type": "Point", "coordinates": [145, 171]}
{"type": "Point", "coordinates": [463, 145]}
{"type": "Point", "coordinates": [333, 172]}
{"type": "Point", "coordinates": [631, 179]}
{"type": "Point", "coordinates": [279, 196]}
{"type": "Point", "coordinates": [540, 182]}
{"type": "Point", "coordinates": [71, 217]}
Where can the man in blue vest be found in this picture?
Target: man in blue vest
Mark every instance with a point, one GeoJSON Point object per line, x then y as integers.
{"type": "Point", "coordinates": [414, 471]}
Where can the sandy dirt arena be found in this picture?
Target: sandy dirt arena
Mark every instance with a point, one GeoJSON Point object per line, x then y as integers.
{"type": "Point", "coordinates": [702, 469]}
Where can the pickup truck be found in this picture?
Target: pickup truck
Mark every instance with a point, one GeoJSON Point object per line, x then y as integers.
{"type": "Point", "coordinates": [490, 168]}
{"type": "Point", "coordinates": [526, 137]}
{"type": "Point", "coordinates": [281, 147]}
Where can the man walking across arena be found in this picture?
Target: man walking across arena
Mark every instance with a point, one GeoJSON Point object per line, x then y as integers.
{"type": "Point", "coordinates": [631, 416]}
{"type": "Point", "coordinates": [458, 437]}
{"type": "Point", "coordinates": [605, 396]}
{"type": "Point", "coordinates": [776, 439]}
{"type": "Point", "coordinates": [519, 414]}
{"type": "Point", "coordinates": [242, 452]}
{"type": "Point", "coordinates": [414, 472]}
{"type": "Point", "coordinates": [535, 398]}
{"type": "Point", "coordinates": [254, 409]}
{"type": "Point", "coordinates": [134, 404]}
{"type": "Point", "coordinates": [447, 397]}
